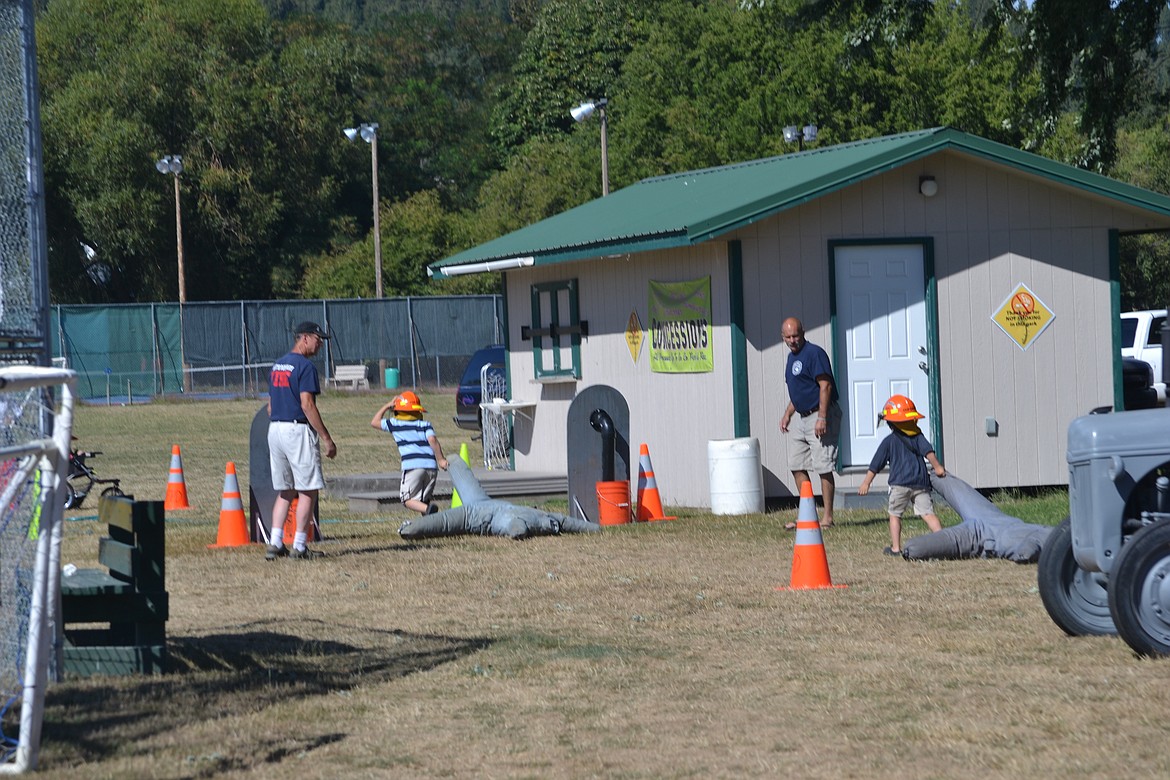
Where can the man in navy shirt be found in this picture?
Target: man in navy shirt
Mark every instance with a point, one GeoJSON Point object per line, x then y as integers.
{"type": "Point", "coordinates": [812, 394]}
{"type": "Point", "coordinates": [296, 433]}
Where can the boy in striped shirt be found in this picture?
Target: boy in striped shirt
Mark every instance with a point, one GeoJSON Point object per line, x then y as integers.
{"type": "Point", "coordinates": [418, 447]}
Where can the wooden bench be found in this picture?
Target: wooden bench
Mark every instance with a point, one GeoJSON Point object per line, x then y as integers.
{"type": "Point", "coordinates": [353, 376]}
{"type": "Point", "coordinates": [130, 598]}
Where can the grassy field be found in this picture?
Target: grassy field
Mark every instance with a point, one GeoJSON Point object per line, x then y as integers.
{"type": "Point", "coordinates": [658, 650]}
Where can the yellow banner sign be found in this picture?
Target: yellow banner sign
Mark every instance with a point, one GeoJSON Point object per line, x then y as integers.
{"type": "Point", "coordinates": [680, 327]}
{"type": "Point", "coordinates": [1023, 316]}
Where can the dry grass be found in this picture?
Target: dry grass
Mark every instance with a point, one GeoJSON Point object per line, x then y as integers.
{"type": "Point", "coordinates": [660, 650]}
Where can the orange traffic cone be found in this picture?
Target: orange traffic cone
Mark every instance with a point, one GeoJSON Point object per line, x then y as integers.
{"type": "Point", "coordinates": [810, 567]}
{"type": "Point", "coordinates": [649, 502]}
{"type": "Point", "coordinates": [176, 487]}
{"type": "Point", "coordinates": [289, 532]}
{"type": "Point", "coordinates": [290, 523]}
{"type": "Point", "coordinates": [233, 527]}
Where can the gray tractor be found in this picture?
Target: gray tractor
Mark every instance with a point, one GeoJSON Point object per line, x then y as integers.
{"type": "Point", "coordinates": [1106, 568]}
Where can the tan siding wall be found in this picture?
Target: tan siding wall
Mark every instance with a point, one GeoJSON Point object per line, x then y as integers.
{"type": "Point", "coordinates": [675, 415]}
{"type": "Point", "coordinates": [992, 229]}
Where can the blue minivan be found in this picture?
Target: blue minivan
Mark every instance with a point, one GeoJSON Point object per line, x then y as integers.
{"type": "Point", "coordinates": [470, 393]}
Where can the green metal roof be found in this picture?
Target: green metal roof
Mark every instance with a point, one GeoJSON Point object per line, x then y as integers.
{"type": "Point", "coordinates": [688, 208]}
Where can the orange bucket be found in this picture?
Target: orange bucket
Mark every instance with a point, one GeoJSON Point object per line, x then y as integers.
{"type": "Point", "coordinates": [613, 502]}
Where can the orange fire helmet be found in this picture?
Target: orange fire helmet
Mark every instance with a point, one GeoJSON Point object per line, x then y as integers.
{"type": "Point", "coordinates": [900, 409]}
{"type": "Point", "coordinates": [408, 402]}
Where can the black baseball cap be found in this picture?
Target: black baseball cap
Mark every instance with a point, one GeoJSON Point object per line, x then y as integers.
{"type": "Point", "coordinates": [311, 328]}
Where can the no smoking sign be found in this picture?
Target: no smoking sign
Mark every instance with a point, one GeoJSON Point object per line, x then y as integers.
{"type": "Point", "coordinates": [1023, 316]}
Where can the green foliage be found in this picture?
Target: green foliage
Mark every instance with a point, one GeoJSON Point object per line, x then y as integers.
{"type": "Point", "coordinates": [430, 100]}
{"type": "Point", "coordinates": [255, 108]}
{"type": "Point", "coordinates": [691, 94]}
{"type": "Point", "coordinates": [962, 74]}
{"type": "Point", "coordinates": [126, 81]}
{"type": "Point", "coordinates": [1144, 159]}
{"type": "Point", "coordinates": [1145, 272]}
{"type": "Point", "coordinates": [573, 53]}
{"type": "Point", "coordinates": [415, 233]}
{"type": "Point", "coordinates": [549, 176]}
{"type": "Point", "coordinates": [1089, 54]}
{"type": "Point", "coordinates": [472, 100]}
{"type": "Point", "coordinates": [714, 84]}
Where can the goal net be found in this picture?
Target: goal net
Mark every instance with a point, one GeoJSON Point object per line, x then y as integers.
{"type": "Point", "coordinates": [497, 428]}
{"type": "Point", "coordinates": [31, 506]}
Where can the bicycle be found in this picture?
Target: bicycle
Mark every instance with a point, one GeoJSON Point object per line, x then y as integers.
{"type": "Point", "coordinates": [82, 479]}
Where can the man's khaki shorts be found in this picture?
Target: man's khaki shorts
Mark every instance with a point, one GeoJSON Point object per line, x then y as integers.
{"type": "Point", "coordinates": [294, 457]}
{"type": "Point", "coordinates": [809, 452]}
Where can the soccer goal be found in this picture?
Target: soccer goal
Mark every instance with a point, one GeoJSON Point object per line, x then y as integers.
{"type": "Point", "coordinates": [31, 506]}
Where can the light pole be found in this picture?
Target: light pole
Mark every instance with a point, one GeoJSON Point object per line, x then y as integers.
{"type": "Point", "coordinates": [793, 133]}
{"type": "Point", "coordinates": [581, 113]}
{"type": "Point", "coordinates": [173, 164]}
{"type": "Point", "coordinates": [368, 132]}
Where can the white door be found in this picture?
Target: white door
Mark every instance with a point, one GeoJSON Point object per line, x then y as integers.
{"type": "Point", "coordinates": [881, 316]}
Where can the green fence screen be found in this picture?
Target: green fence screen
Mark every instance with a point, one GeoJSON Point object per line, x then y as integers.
{"type": "Point", "coordinates": [140, 350]}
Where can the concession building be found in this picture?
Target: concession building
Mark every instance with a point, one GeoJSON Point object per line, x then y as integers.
{"type": "Point", "coordinates": [978, 279]}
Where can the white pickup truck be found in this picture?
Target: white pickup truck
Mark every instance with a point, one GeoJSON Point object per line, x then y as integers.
{"type": "Point", "coordinates": [1141, 338]}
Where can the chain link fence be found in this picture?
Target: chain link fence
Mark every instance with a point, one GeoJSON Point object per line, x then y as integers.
{"type": "Point", "coordinates": [131, 351]}
{"type": "Point", "coordinates": [24, 281]}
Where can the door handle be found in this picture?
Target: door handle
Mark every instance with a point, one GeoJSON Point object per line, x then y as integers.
{"type": "Point", "coordinates": [924, 367]}
{"type": "Point", "coordinates": [922, 350]}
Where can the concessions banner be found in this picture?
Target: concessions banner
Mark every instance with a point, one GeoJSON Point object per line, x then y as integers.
{"type": "Point", "coordinates": [680, 327]}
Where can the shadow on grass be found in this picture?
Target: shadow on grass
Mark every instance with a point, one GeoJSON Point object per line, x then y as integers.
{"type": "Point", "coordinates": [235, 673]}
{"type": "Point", "coordinates": [372, 550]}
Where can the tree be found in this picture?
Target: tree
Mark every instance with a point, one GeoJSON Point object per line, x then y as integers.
{"type": "Point", "coordinates": [574, 52]}
{"type": "Point", "coordinates": [430, 98]}
{"type": "Point", "coordinates": [547, 176]}
{"type": "Point", "coordinates": [252, 111]}
{"type": "Point", "coordinates": [714, 84]}
{"type": "Point", "coordinates": [415, 233]}
{"type": "Point", "coordinates": [691, 94]}
{"type": "Point", "coordinates": [1144, 160]}
{"type": "Point", "coordinates": [965, 73]}
{"type": "Point", "coordinates": [1090, 54]}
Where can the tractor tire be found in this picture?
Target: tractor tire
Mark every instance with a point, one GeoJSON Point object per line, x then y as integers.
{"type": "Point", "coordinates": [1139, 591]}
{"type": "Point", "coordinates": [1075, 599]}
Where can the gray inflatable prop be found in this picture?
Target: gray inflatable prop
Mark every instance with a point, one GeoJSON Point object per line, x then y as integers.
{"type": "Point", "coordinates": [985, 532]}
{"type": "Point", "coordinates": [486, 516]}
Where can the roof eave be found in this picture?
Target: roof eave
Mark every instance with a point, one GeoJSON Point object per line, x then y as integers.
{"type": "Point", "coordinates": [624, 246]}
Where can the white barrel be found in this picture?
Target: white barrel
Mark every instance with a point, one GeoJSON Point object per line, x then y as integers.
{"type": "Point", "coordinates": [737, 478]}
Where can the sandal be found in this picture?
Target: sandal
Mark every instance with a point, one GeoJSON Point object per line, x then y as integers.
{"type": "Point", "coordinates": [826, 525]}
{"type": "Point", "coordinates": [790, 526]}
{"type": "Point", "coordinates": [892, 551]}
